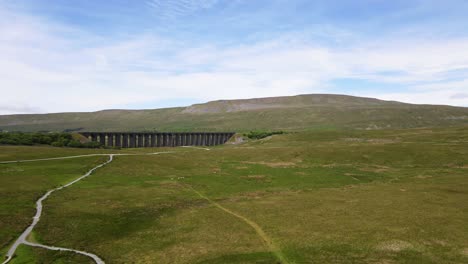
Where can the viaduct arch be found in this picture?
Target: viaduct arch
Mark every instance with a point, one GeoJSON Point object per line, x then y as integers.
{"type": "Point", "coordinates": [158, 139]}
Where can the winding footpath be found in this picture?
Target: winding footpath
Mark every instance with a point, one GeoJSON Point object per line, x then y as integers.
{"type": "Point", "coordinates": [57, 158]}
{"type": "Point", "coordinates": [82, 156]}
{"type": "Point", "coordinates": [265, 238]}
{"type": "Point", "coordinates": [22, 239]}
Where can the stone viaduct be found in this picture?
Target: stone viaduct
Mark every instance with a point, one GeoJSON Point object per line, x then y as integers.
{"type": "Point", "coordinates": [157, 139]}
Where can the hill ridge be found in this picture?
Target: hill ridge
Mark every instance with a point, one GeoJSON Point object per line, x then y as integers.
{"type": "Point", "coordinates": [300, 112]}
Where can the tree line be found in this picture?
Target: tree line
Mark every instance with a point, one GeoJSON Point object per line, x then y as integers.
{"type": "Point", "coordinates": [52, 139]}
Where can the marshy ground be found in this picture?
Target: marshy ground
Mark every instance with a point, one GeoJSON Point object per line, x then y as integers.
{"type": "Point", "coordinates": [395, 196]}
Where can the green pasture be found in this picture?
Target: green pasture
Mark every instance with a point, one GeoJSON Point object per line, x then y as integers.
{"type": "Point", "coordinates": [390, 196]}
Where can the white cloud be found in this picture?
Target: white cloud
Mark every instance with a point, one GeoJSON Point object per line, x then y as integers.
{"type": "Point", "coordinates": [446, 93]}
{"type": "Point", "coordinates": [50, 68]}
{"type": "Point", "coordinates": [418, 59]}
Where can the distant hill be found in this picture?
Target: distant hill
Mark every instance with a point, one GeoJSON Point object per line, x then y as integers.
{"type": "Point", "coordinates": [302, 112]}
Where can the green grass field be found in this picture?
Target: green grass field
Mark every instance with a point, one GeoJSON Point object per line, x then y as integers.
{"type": "Point", "coordinates": [391, 196]}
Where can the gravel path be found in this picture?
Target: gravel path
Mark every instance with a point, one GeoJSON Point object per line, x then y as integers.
{"type": "Point", "coordinates": [195, 147]}
{"type": "Point", "coordinates": [22, 238]}
{"type": "Point", "coordinates": [94, 257]}
{"type": "Point", "coordinates": [82, 156]}
{"type": "Point", "coordinates": [57, 158]}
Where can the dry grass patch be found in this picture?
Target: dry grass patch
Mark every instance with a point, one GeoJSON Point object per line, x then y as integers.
{"type": "Point", "coordinates": [352, 176]}
{"type": "Point", "coordinates": [465, 252]}
{"type": "Point", "coordinates": [168, 184]}
{"type": "Point", "coordinates": [377, 141]}
{"type": "Point", "coordinates": [376, 168]}
{"type": "Point", "coordinates": [280, 164]}
{"type": "Point", "coordinates": [334, 165]}
{"type": "Point", "coordinates": [423, 177]}
{"type": "Point", "coordinates": [395, 246]}
{"type": "Point", "coordinates": [257, 178]}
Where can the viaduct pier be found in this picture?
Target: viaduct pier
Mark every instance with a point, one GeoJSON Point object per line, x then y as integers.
{"type": "Point", "coordinates": [158, 139]}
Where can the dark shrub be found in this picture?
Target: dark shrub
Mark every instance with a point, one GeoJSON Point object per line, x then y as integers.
{"type": "Point", "coordinates": [262, 134]}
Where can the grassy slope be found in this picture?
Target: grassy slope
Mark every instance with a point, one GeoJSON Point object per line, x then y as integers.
{"type": "Point", "coordinates": [310, 112]}
{"type": "Point", "coordinates": [362, 197]}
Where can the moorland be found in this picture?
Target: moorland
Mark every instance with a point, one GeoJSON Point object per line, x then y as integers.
{"type": "Point", "coordinates": [323, 196]}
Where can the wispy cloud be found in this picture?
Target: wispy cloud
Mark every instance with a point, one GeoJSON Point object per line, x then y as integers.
{"type": "Point", "coordinates": [179, 8]}
{"type": "Point", "coordinates": [57, 67]}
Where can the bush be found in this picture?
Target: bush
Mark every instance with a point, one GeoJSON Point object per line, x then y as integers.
{"type": "Point", "coordinates": [262, 134]}
{"type": "Point", "coordinates": [74, 144]}
{"type": "Point", "coordinates": [57, 144]}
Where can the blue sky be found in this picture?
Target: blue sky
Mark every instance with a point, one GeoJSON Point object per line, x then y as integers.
{"type": "Point", "coordinates": [61, 55]}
